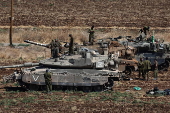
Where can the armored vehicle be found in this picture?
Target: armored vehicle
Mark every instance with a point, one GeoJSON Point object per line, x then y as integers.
{"type": "Point", "coordinates": [124, 55]}
{"type": "Point", "coordinates": [157, 49]}
{"type": "Point", "coordinates": [85, 70]}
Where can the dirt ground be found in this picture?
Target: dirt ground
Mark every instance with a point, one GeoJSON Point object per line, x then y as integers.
{"type": "Point", "coordinates": [103, 13]}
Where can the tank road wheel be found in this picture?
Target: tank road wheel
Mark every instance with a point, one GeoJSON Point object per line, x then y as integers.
{"type": "Point", "coordinates": [43, 88]}
{"type": "Point", "coordinates": [87, 88]}
{"type": "Point", "coordinates": [98, 88]}
{"type": "Point", "coordinates": [109, 84]}
{"type": "Point", "coordinates": [70, 88]}
{"type": "Point", "coordinates": [128, 72]}
{"type": "Point", "coordinates": [166, 65]}
{"type": "Point", "coordinates": [56, 87]}
{"type": "Point", "coordinates": [33, 87]}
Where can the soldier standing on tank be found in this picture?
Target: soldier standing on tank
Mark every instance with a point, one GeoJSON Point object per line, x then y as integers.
{"type": "Point", "coordinates": [71, 47]}
{"type": "Point", "coordinates": [144, 30]}
{"type": "Point", "coordinates": [155, 69]}
{"type": "Point", "coordinates": [147, 67]}
{"type": "Point", "coordinates": [91, 35]}
{"type": "Point", "coordinates": [56, 48]}
{"type": "Point", "coordinates": [51, 46]}
{"type": "Point", "coordinates": [141, 68]}
{"type": "Point", "coordinates": [48, 81]}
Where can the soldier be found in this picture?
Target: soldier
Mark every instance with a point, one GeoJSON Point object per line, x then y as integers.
{"type": "Point", "coordinates": [91, 35]}
{"type": "Point", "coordinates": [71, 48]}
{"type": "Point", "coordinates": [51, 46]}
{"type": "Point", "coordinates": [147, 67]}
{"type": "Point", "coordinates": [57, 46]}
{"type": "Point", "coordinates": [144, 30]}
{"type": "Point", "coordinates": [48, 81]}
{"type": "Point", "coordinates": [141, 68]}
{"type": "Point", "coordinates": [155, 68]}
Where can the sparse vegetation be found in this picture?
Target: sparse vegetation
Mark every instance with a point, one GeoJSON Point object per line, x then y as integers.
{"type": "Point", "coordinates": [30, 99]}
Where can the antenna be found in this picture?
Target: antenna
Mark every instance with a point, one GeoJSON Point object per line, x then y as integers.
{"type": "Point", "coordinates": [11, 23]}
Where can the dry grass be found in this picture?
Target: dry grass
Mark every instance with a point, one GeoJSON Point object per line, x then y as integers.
{"type": "Point", "coordinates": [20, 55]}
{"type": "Point", "coordinates": [46, 34]}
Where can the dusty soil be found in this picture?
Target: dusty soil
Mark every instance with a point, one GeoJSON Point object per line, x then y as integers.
{"type": "Point", "coordinates": [104, 13]}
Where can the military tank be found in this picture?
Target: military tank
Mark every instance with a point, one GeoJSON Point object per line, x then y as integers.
{"type": "Point", "coordinates": [84, 70]}
{"type": "Point", "coordinates": [157, 50]}
{"type": "Point", "coordinates": [124, 55]}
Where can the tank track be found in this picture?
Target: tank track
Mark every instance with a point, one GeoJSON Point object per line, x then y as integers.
{"type": "Point", "coordinates": [86, 80]}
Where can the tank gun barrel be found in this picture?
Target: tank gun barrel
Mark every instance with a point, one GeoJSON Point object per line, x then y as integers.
{"type": "Point", "coordinates": [35, 43]}
{"type": "Point", "coordinates": [20, 65]}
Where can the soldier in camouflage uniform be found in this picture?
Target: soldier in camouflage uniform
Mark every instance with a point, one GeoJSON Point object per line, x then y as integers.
{"type": "Point", "coordinates": [57, 46]}
{"type": "Point", "coordinates": [155, 68]}
{"type": "Point", "coordinates": [141, 68]}
{"type": "Point", "coordinates": [147, 67]}
{"type": "Point", "coordinates": [144, 30]}
{"type": "Point", "coordinates": [51, 46]}
{"type": "Point", "coordinates": [48, 81]}
{"type": "Point", "coordinates": [91, 35]}
{"type": "Point", "coordinates": [71, 47]}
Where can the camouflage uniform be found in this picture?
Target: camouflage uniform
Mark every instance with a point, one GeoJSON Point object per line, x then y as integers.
{"type": "Point", "coordinates": [147, 67]}
{"type": "Point", "coordinates": [48, 81]}
{"type": "Point", "coordinates": [155, 66]}
{"type": "Point", "coordinates": [51, 45]}
{"type": "Point", "coordinates": [144, 30]}
{"type": "Point", "coordinates": [141, 68]}
{"type": "Point", "coordinates": [91, 35]}
{"type": "Point", "coordinates": [56, 48]}
{"type": "Point", "coordinates": [71, 47]}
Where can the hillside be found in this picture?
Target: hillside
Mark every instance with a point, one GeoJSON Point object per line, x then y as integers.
{"type": "Point", "coordinates": [105, 13]}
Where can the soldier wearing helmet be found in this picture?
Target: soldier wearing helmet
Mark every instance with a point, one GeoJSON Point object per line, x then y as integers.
{"type": "Point", "coordinates": [144, 31]}
{"type": "Point", "coordinates": [141, 68]}
{"type": "Point", "coordinates": [57, 46]}
{"type": "Point", "coordinates": [71, 47]}
{"type": "Point", "coordinates": [51, 46]}
{"type": "Point", "coordinates": [91, 35]}
{"type": "Point", "coordinates": [48, 81]}
{"type": "Point", "coordinates": [147, 67]}
{"type": "Point", "coordinates": [155, 67]}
